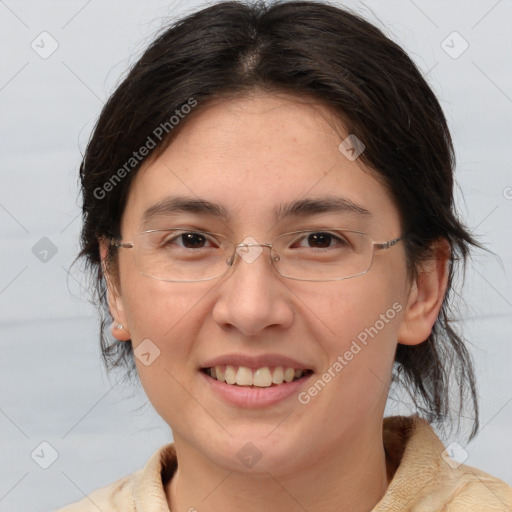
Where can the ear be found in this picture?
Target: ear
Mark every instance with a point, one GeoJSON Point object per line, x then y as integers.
{"type": "Point", "coordinates": [119, 327]}
{"type": "Point", "coordinates": [426, 296]}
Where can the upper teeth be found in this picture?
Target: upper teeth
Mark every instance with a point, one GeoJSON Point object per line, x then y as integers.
{"type": "Point", "coordinates": [262, 377]}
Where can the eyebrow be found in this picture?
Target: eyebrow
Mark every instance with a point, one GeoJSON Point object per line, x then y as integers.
{"type": "Point", "coordinates": [299, 208]}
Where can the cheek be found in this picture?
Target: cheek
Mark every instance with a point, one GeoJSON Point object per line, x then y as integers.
{"type": "Point", "coordinates": [349, 310]}
{"type": "Point", "coordinates": [358, 322]}
{"type": "Point", "coordinates": [155, 312]}
{"type": "Point", "coordinates": [163, 321]}
{"type": "Point", "coordinates": [155, 309]}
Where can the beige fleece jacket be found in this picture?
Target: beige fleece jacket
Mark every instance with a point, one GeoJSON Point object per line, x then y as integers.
{"type": "Point", "coordinates": [423, 480]}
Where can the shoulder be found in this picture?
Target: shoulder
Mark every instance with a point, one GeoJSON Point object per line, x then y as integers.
{"type": "Point", "coordinates": [472, 487]}
{"type": "Point", "coordinates": [116, 496]}
{"type": "Point", "coordinates": [142, 490]}
{"type": "Point", "coordinates": [427, 479]}
{"type": "Point", "coordinates": [464, 489]}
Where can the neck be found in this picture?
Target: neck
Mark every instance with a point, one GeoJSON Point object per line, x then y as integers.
{"type": "Point", "coordinates": [353, 478]}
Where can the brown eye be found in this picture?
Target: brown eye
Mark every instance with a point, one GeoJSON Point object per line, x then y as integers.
{"type": "Point", "coordinates": [321, 240]}
{"type": "Point", "coordinates": [193, 240]}
{"type": "Point", "coordinates": [187, 240]}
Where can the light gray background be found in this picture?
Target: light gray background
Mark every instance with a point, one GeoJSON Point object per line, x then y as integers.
{"type": "Point", "coordinates": [53, 387]}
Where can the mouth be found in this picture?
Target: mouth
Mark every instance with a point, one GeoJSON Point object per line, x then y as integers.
{"type": "Point", "coordinates": [264, 377]}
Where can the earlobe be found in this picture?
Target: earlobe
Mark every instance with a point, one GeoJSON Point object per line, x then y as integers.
{"type": "Point", "coordinates": [119, 329]}
{"type": "Point", "coordinates": [426, 296]}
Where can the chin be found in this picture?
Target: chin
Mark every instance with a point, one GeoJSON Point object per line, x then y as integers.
{"type": "Point", "coordinates": [258, 454]}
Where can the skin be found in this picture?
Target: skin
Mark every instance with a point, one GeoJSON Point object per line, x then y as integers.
{"type": "Point", "coordinates": [258, 151]}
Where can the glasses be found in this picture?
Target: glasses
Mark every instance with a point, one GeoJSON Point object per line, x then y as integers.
{"type": "Point", "coordinates": [184, 255]}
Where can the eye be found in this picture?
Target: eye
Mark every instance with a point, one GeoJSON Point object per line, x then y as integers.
{"type": "Point", "coordinates": [189, 240]}
{"type": "Point", "coordinates": [322, 240]}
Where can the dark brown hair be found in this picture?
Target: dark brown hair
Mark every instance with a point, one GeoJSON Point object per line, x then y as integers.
{"type": "Point", "coordinates": [317, 51]}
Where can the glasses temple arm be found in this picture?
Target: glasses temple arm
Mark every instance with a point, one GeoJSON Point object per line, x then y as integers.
{"type": "Point", "coordinates": [388, 244]}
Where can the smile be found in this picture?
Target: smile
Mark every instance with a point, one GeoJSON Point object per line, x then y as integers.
{"type": "Point", "coordinates": [263, 377]}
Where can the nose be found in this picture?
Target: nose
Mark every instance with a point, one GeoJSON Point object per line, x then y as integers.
{"type": "Point", "coordinates": [253, 296]}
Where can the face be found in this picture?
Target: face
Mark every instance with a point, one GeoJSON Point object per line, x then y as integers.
{"type": "Point", "coordinates": [252, 155]}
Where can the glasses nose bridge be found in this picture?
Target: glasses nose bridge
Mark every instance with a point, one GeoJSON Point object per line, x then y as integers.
{"type": "Point", "coordinates": [250, 244]}
{"type": "Point", "coordinates": [250, 257]}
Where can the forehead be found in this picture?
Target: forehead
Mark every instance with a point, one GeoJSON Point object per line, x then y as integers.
{"type": "Point", "coordinates": [254, 156]}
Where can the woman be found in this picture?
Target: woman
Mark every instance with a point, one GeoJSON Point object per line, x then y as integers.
{"type": "Point", "coordinates": [268, 211]}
